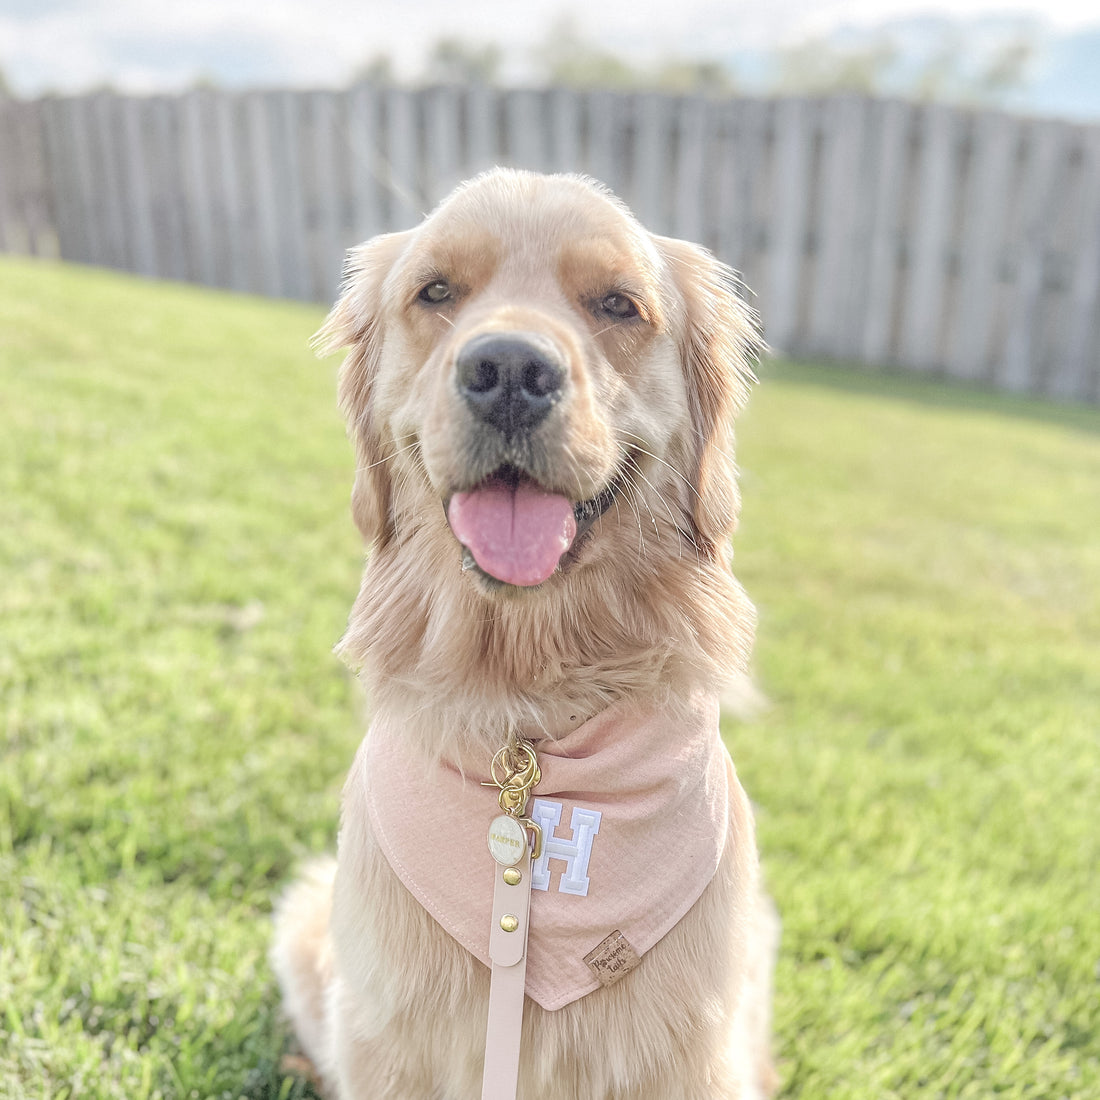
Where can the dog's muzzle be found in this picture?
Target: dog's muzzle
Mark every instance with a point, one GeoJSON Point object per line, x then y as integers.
{"type": "Point", "coordinates": [514, 529]}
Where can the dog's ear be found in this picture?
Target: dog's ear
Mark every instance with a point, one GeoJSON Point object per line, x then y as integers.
{"type": "Point", "coordinates": [356, 323]}
{"type": "Point", "coordinates": [720, 342]}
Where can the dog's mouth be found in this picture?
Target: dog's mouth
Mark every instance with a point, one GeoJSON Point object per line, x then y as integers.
{"type": "Point", "coordinates": [516, 532]}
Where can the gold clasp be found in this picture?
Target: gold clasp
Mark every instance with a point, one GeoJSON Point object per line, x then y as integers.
{"type": "Point", "coordinates": [515, 770]}
{"type": "Point", "coordinates": [536, 837]}
{"type": "Point", "coordinates": [518, 764]}
{"type": "Point", "coordinates": [513, 800]}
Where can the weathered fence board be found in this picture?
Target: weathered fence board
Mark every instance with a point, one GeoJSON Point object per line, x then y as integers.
{"type": "Point", "coordinates": [1076, 373]}
{"type": "Point", "coordinates": [838, 219]}
{"type": "Point", "coordinates": [1046, 145]}
{"type": "Point", "coordinates": [482, 128]}
{"type": "Point", "coordinates": [525, 130]}
{"type": "Point", "coordinates": [25, 221]}
{"type": "Point", "coordinates": [726, 208]}
{"type": "Point", "coordinates": [1065, 231]}
{"type": "Point", "coordinates": [651, 158]}
{"type": "Point", "coordinates": [11, 217]}
{"type": "Point", "coordinates": [260, 158]}
{"type": "Point", "coordinates": [363, 141]}
{"type": "Point", "coordinates": [929, 236]}
{"type": "Point", "coordinates": [89, 244]}
{"type": "Point", "coordinates": [137, 187]}
{"type": "Point", "coordinates": [691, 167]}
{"type": "Point", "coordinates": [601, 152]}
{"type": "Point", "coordinates": [443, 151]}
{"type": "Point", "coordinates": [565, 129]}
{"type": "Point", "coordinates": [199, 227]}
{"type": "Point", "coordinates": [983, 225]}
{"type": "Point", "coordinates": [407, 202]}
{"type": "Point", "coordinates": [877, 321]}
{"type": "Point", "coordinates": [790, 218]}
{"type": "Point", "coordinates": [165, 169]}
{"type": "Point", "coordinates": [920, 236]}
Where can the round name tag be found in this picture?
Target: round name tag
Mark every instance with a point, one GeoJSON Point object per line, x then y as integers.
{"type": "Point", "coordinates": [507, 840]}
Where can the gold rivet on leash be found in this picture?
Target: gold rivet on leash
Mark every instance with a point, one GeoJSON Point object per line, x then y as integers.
{"type": "Point", "coordinates": [513, 877]}
{"type": "Point", "coordinates": [509, 923]}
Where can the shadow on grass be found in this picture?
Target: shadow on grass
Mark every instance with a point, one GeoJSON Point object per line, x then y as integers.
{"type": "Point", "coordinates": [932, 390]}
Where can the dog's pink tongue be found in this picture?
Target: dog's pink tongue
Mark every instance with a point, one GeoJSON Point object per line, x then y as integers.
{"type": "Point", "coordinates": [516, 533]}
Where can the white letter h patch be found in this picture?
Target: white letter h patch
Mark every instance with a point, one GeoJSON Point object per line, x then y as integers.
{"type": "Point", "coordinates": [576, 852]}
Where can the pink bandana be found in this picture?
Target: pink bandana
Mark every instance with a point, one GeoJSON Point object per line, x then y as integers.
{"type": "Point", "coordinates": [634, 809]}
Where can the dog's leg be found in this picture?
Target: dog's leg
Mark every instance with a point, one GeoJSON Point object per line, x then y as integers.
{"type": "Point", "coordinates": [752, 1023]}
{"type": "Point", "coordinates": [301, 956]}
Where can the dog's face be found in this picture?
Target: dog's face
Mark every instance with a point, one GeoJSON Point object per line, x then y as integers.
{"type": "Point", "coordinates": [535, 379]}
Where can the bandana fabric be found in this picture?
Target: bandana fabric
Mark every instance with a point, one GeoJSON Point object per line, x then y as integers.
{"type": "Point", "coordinates": [634, 808]}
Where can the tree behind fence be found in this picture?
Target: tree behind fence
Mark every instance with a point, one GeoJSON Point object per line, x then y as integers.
{"type": "Point", "coordinates": [879, 231]}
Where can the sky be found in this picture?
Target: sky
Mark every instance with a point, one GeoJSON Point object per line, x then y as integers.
{"type": "Point", "coordinates": [136, 45]}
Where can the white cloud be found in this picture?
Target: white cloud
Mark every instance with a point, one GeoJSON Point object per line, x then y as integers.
{"type": "Point", "coordinates": [72, 44]}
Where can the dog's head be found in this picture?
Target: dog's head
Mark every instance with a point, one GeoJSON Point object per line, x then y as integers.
{"type": "Point", "coordinates": [537, 384]}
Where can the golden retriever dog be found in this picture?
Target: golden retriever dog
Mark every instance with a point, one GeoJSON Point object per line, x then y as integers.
{"type": "Point", "coordinates": [541, 396]}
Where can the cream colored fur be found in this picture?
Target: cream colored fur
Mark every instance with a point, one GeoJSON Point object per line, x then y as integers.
{"type": "Point", "coordinates": [383, 1001]}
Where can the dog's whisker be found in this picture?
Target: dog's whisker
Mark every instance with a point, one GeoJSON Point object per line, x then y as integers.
{"type": "Point", "coordinates": [687, 483]}
{"type": "Point", "coordinates": [639, 497]}
{"type": "Point", "coordinates": [684, 536]}
{"type": "Point", "coordinates": [658, 495]}
{"type": "Point", "coordinates": [389, 457]}
{"type": "Point", "coordinates": [633, 479]}
{"type": "Point", "coordinates": [618, 511]}
{"type": "Point", "coordinates": [657, 458]}
{"type": "Point", "coordinates": [629, 493]}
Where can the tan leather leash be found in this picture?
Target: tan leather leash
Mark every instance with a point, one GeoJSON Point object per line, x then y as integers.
{"type": "Point", "coordinates": [512, 836]}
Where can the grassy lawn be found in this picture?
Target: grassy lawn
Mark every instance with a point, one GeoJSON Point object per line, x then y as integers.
{"type": "Point", "coordinates": [178, 560]}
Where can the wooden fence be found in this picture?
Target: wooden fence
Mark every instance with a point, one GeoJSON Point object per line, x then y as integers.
{"type": "Point", "coordinates": [922, 236]}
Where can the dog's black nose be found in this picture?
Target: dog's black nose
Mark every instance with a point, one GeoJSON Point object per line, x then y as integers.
{"type": "Point", "coordinates": [510, 380]}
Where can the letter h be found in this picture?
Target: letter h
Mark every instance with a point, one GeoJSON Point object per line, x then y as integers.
{"type": "Point", "coordinates": [576, 852]}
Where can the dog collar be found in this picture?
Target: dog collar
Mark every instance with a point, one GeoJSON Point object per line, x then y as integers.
{"type": "Point", "coordinates": [634, 811]}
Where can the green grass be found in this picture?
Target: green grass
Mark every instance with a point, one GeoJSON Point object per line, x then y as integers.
{"type": "Point", "coordinates": [177, 561]}
{"type": "Point", "coordinates": [927, 565]}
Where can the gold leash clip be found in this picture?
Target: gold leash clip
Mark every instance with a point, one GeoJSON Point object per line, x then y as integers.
{"type": "Point", "coordinates": [515, 770]}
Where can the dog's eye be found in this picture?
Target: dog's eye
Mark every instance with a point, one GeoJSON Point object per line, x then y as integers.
{"type": "Point", "coordinates": [436, 292]}
{"type": "Point", "coordinates": [618, 305]}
